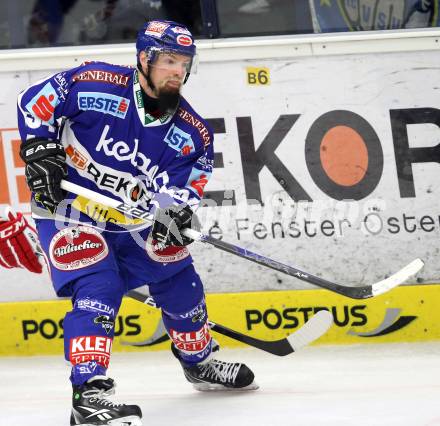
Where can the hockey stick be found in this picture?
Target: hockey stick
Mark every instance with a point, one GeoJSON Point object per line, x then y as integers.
{"type": "Point", "coordinates": [363, 292]}
{"type": "Point", "coordinates": [310, 331]}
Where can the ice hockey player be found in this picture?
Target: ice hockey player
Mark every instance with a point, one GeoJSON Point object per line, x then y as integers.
{"type": "Point", "coordinates": [129, 134]}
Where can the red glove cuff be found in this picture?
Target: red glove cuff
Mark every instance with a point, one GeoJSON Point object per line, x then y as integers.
{"type": "Point", "coordinates": [19, 244]}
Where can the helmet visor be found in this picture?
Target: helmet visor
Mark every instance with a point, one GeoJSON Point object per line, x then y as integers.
{"type": "Point", "coordinates": [171, 60]}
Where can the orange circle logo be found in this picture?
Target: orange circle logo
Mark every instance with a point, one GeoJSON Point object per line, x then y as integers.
{"type": "Point", "coordinates": [344, 155]}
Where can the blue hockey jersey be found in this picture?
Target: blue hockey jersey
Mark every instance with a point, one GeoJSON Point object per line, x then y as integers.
{"type": "Point", "coordinates": [113, 146]}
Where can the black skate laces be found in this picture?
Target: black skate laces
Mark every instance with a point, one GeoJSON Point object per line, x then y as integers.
{"type": "Point", "coordinates": [225, 372]}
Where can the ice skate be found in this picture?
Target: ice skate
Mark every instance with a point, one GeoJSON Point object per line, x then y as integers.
{"type": "Point", "coordinates": [91, 408]}
{"type": "Point", "coordinates": [213, 375]}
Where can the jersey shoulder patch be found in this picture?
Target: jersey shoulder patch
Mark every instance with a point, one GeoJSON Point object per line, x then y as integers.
{"type": "Point", "coordinates": [195, 122]}
{"type": "Point", "coordinates": [103, 73]}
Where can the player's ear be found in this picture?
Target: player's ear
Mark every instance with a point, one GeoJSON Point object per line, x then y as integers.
{"type": "Point", "coordinates": [144, 59]}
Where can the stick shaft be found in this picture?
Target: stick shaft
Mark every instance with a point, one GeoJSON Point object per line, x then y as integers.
{"type": "Point", "coordinates": [363, 292]}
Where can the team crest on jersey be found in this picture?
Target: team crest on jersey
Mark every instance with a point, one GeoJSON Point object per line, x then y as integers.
{"type": "Point", "coordinates": [179, 140]}
{"type": "Point", "coordinates": [43, 104]}
{"type": "Point", "coordinates": [77, 247]}
{"type": "Point", "coordinates": [103, 102]}
{"type": "Point", "coordinates": [167, 255]}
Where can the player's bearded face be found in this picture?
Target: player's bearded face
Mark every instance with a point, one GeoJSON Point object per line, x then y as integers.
{"type": "Point", "coordinates": [167, 75]}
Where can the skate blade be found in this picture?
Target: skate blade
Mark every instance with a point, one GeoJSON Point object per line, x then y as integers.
{"type": "Point", "coordinates": [211, 387]}
{"type": "Point", "coordinates": [125, 421]}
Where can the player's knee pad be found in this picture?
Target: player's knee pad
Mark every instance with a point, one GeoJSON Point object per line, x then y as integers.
{"type": "Point", "coordinates": [89, 327]}
{"type": "Point", "coordinates": [179, 293]}
{"type": "Point", "coordinates": [182, 300]}
{"type": "Point", "coordinates": [190, 333]}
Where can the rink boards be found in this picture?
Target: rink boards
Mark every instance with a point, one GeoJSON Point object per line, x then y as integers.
{"type": "Point", "coordinates": [406, 314]}
{"type": "Point", "coordinates": [326, 153]}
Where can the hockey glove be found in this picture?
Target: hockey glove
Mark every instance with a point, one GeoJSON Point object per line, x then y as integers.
{"type": "Point", "coordinates": [45, 167]}
{"type": "Point", "coordinates": [19, 246]}
{"type": "Point", "coordinates": [168, 224]}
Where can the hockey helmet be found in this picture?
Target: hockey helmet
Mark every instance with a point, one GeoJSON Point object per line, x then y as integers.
{"type": "Point", "coordinates": [162, 36]}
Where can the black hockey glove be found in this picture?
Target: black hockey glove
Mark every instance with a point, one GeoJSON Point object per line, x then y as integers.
{"type": "Point", "coordinates": [168, 224]}
{"type": "Point", "coordinates": [45, 168]}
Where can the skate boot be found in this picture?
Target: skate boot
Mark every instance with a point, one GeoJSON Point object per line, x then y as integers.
{"type": "Point", "coordinates": [212, 374]}
{"type": "Point", "coordinates": [90, 406]}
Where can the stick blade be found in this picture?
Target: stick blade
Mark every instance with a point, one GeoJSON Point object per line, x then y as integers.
{"type": "Point", "coordinates": [398, 278]}
{"type": "Point", "coordinates": [314, 328]}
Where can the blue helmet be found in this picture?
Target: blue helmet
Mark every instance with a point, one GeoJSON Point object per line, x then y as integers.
{"type": "Point", "coordinates": [164, 36]}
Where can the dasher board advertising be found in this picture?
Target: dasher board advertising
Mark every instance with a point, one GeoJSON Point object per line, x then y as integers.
{"type": "Point", "coordinates": [326, 163]}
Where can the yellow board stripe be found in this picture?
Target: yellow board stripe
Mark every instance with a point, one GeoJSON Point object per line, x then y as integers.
{"type": "Point", "coordinates": [406, 314]}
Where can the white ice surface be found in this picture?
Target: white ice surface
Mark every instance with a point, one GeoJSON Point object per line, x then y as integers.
{"type": "Point", "coordinates": [369, 385]}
